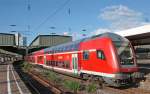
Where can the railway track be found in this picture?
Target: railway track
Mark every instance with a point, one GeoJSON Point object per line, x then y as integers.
{"type": "Point", "coordinates": [109, 90]}
{"type": "Point", "coordinates": [28, 81]}
{"type": "Point", "coordinates": [47, 83]}
{"type": "Point", "coordinates": [34, 84]}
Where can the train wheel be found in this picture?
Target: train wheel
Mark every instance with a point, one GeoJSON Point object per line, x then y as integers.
{"type": "Point", "coordinates": [97, 80]}
{"type": "Point", "coordinates": [84, 76]}
{"type": "Point", "coordinates": [101, 82]}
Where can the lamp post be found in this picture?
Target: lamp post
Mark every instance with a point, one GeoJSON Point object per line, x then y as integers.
{"type": "Point", "coordinates": [52, 33]}
{"type": "Point", "coordinates": [84, 35]}
{"type": "Point", "coordinates": [52, 39]}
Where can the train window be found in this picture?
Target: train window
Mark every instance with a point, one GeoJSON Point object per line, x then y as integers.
{"type": "Point", "coordinates": [67, 65]}
{"type": "Point", "coordinates": [56, 64]}
{"type": "Point", "coordinates": [100, 54]}
{"type": "Point", "coordinates": [40, 58]}
{"type": "Point", "coordinates": [47, 63]}
{"type": "Point", "coordinates": [85, 55]}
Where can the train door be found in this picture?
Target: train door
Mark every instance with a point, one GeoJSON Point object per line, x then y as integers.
{"type": "Point", "coordinates": [45, 59]}
{"type": "Point", "coordinates": [75, 63]}
{"type": "Point", "coordinates": [40, 59]}
{"type": "Point", "coordinates": [36, 59]}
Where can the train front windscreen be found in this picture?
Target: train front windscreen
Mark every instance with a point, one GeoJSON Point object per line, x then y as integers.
{"type": "Point", "coordinates": [125, 52]}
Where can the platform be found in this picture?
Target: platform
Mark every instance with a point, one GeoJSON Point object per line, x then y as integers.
{"type": "Point", "coordinates": [10, 82]}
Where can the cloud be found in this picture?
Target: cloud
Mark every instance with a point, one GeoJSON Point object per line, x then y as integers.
{"type": "Point", "coordinates": [121, 17]}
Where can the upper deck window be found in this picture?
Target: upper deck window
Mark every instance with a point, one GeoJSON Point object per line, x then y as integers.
{"type": "Point", "coordinates": [100, 54]}
{"type": "Point", "coordinates": [85, 55]}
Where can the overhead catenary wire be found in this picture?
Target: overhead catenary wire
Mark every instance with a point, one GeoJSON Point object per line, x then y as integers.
{"type": "Point", "coordinates": [28, 5]}
{"type": "Point", "coordinates": [52, 14]}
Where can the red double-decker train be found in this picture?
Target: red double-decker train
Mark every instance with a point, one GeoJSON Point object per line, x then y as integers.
{"type": "Point", "coordinates": [106, 56]}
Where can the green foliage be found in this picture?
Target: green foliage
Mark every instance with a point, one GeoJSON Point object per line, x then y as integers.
{"type": "Point", "coordinates": [91, 88]}
{"type": "Point", "coordinates": [72, 85]}
{"type": "Point", "coordinates": [26, 66]}
{"type": "Point", "coordinates": [22, 64]}
{"type": "Point", "coordinates": [52, 76]}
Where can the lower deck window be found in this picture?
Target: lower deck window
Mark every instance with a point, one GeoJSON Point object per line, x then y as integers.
{"type": "Point", "coordinates": [60, 64]}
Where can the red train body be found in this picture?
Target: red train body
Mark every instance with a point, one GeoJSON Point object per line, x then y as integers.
{"type": "Point", "coordinates": [107, 56]}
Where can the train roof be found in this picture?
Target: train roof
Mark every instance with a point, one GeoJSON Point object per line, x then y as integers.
{"type": "Point", "coordinates": [113, 36]}
{"type": "Point", "coordinates": [75, 44]}
{"type": "Point", "coordinates": [64, 47]}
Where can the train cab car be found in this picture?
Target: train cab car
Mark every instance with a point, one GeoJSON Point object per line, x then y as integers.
{"type": "Point", "coordinates": [106, 56]}
{"type": "Point", "coordinates": [110, 57]}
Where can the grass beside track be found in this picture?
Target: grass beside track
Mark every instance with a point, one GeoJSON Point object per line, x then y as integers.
{"type": "Point", "coordinates": [66, 84]}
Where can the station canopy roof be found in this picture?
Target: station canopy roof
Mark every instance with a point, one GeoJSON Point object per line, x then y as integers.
{"type": "Point", "coordinates": [138, 36]}
{"type": "Point", "coordinates": [8, 53]}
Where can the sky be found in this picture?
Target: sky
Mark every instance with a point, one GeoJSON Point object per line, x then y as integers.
{"type": "Point", "coordinates": [77, 18]}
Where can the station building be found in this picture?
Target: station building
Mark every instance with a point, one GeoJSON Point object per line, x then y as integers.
{"type": "Point", "coordinates": [9, 43]}
{"type": "Point", "coordinates": [44, 41]}
{"type": "Point", "coordinates": [7, 39]}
